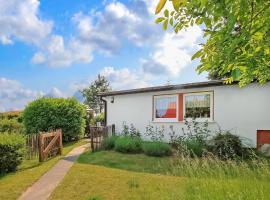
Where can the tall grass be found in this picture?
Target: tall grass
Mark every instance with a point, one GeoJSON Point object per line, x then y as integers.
{"type": "Point", "coordinates": [211, 167]}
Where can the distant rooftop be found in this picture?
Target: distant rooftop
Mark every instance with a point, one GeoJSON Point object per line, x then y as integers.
{"type": "Point", "coordinates": [164, 88]}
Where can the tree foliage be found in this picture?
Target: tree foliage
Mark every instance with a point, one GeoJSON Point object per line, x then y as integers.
{"type": "Point", "coordinates": [237, 34]}
{"type": "Point", "coordinates": [47, 114]}
{"type": "Point", "coordinates": [90, 93]}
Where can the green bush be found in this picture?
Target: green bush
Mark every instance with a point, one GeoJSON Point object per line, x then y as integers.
{"type": "Point", "coordinates": [194, 147]}
{"type": "Point", "coordinates": [10, 126]}
{"type": "Point", "coordinates": [11, 151]}
{"type": "Point", "coordinates": [11, 115]}
{"type": "Point", "coordinates": [98, 118]}
{"type": "Point", "coordinates": [47, 114]}
{"type": "Point", "coordinates": [127, 144]}
{"type": "Point", "coordinates": [157, 149]}
{"type": "Point", "coordinates": [227, 146]}
{"type": "Point", "coordinates": [109, 142]}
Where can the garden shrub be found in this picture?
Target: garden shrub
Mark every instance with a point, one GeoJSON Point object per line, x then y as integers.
{"type": "Point", "coordinates": [157, 148]}
{"type": "Point", "coordinates": [11, 115]}
{"type": "Point", "coordinates": [155, 133]}
{"type": "Point", "coordinates": [11, 151]}
{"type": "Point", "coordinates": [130, 130]}
{"type": "Point", "coordinates": [193, 142]}
{"type": "Point", "coordinates": [227, 146]}
{"type": "Point", "coordinates": [195, 147]}
{"type": "Point", "coordinates": [128, 144]}
{"type": "Point", "coordinates": [47, 114]}
{"type": "Point", "coordinates": [10, 126]}
{"type": "Point", "coordinates": [109, 142]}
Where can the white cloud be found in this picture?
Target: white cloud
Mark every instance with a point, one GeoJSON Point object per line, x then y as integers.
{"type": "Point", "coordinates": [20, 20]}
{"type": "Point", "coordinates": [56, 54]}
{"type": "Point", "coordinates": [14, 96]}
{"type": "Point", "coordinates": [172, 53]}
{"type": "Point", "coordinates": [123, 78]}
{"type": "Point", "coordinates": [107, 31]}
{"type": "Point", "coordinates": [55, 93]}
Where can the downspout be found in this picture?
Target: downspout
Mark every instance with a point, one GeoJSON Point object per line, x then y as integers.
{"type": "Point", "coordinates": [105, 110]}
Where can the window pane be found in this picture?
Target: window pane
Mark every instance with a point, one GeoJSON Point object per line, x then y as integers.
{"type": "Point", "coordinates": [165, 107]}
{"type": "Point", "coordinates": [197, 106]}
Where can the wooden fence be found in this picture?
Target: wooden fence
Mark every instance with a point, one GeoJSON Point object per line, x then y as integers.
{"type": "Point", "coordinates": [32, 149]}
{"type": "Point", "coordinates": [98, 134]}
{"type": "Point", "coordinates": [44, 145]}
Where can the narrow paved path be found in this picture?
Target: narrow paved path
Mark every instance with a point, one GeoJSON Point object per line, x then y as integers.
{"type": "Point", "coordinates": [42, 189]}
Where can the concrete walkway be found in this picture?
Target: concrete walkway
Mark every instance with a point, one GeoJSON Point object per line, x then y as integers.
{"type": "Point", "coordinates": [42, 189]}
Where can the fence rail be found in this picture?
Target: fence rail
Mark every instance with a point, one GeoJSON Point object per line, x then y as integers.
{"type": "Point", "coordinates": [50, 144]}
{"type": "Point", "coordinates": [98, 134]}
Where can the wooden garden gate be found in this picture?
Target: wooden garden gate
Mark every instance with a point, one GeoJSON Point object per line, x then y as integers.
{"type": "Point", "coordinates": [50, 144]}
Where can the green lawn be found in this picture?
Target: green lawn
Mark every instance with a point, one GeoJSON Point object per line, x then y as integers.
{"type": "Point", "coordinates": [12, 185]}
{"type": "Point", "coordinates": [142, 177]}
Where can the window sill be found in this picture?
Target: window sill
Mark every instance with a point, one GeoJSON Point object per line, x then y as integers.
{"type": "Point", "coordinates": [182, 122]}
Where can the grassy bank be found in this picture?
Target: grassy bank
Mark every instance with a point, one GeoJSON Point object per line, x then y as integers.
{"type": "Point", "coordinates": [171, 178]}
{"type": "Point", "coordinates": [14, 184]}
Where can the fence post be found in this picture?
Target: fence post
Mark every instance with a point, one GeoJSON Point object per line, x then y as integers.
{"type": "Point", "coordinates": [60, 142]}
{"type": "Point", "coordinates": [92, 140]}
{"type": "Point", "coordinates": [41, 145]}
{"type": "Point", "coordinates": [113, 129]}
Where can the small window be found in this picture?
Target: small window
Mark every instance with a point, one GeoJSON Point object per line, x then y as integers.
{"type": "Point", "coordinates": [165, 108]}
{"type": "Point", "coordinates": [199, 106]}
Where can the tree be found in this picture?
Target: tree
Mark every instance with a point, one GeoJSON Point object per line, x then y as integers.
{"type": "Point", "coordinates": [90, 94]}
{"type": "Point", "coordinates": [237, 34]}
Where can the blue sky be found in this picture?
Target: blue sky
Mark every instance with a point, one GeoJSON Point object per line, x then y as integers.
{"type": "Point", "coordinates": [57, 47]}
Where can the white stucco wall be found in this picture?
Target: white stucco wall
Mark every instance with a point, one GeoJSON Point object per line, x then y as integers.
{"type": "Point", "coordinates": [242, 110]}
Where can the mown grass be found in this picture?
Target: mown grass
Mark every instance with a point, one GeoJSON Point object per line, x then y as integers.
{"type": "Point", "coordinates": [89, 182]}
{"type": "Point", "coordinates": [191, 178]}
{"type": "Point", "coordinates": [14, 184]}
{"type": "Point", "coordinates": [132, 162]}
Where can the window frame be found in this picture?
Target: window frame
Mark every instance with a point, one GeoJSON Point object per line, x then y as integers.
{"type": "Point", "coordinates": [211, 118]}
{"type": "Point", "coordinates": [165, 119]}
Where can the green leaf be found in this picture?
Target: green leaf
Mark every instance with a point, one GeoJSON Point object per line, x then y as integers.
{"type": "Point", "coordinates": [176, 4]}
{"type": "Point", "coordinates": [196, 55]}
{"type": "Point", "coordinates": [166, 13]}
{"type": "Point", "coordinates": [171, 21]}
{"type": "Point", "coordinates": [236, 74]}
{"type": "Point", "coordinates": [160, 19]}
{"type": "Point", "coordinates": [165, 24]}
{"type": "Point", "coordinates": [160, 5]}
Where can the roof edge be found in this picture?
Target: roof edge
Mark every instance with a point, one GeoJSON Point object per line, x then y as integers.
{"type": "Point", "coordinates": [164, 88]}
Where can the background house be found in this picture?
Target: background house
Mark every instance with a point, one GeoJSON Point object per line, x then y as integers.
{"type": "Point", "coordinates": [244, 111]}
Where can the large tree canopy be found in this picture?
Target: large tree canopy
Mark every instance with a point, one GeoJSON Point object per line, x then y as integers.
{"type": "Point", "coordinates": [237, 34]}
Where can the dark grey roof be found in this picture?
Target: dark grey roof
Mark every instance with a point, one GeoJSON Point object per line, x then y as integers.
{"type": "Point", "coordinates": [164, 88]}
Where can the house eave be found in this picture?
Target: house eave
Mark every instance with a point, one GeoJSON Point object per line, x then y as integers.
{"type": "Point", "coordinates": [164, 88]}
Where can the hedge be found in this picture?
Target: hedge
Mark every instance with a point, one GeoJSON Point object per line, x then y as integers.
{"type": "Point", "coordinates": [10, 125]}
{"type": "Point", "coordinates": [46, 114]}
{"type": "Point", "coordinates": [12, 148]}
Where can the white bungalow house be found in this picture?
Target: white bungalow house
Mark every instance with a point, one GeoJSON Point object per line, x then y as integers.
{"type": "Point", "coordinates": [244, 111]}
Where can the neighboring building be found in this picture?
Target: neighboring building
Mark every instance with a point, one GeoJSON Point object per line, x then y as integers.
{"type": "Point", "coordinates": [244, 111]}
